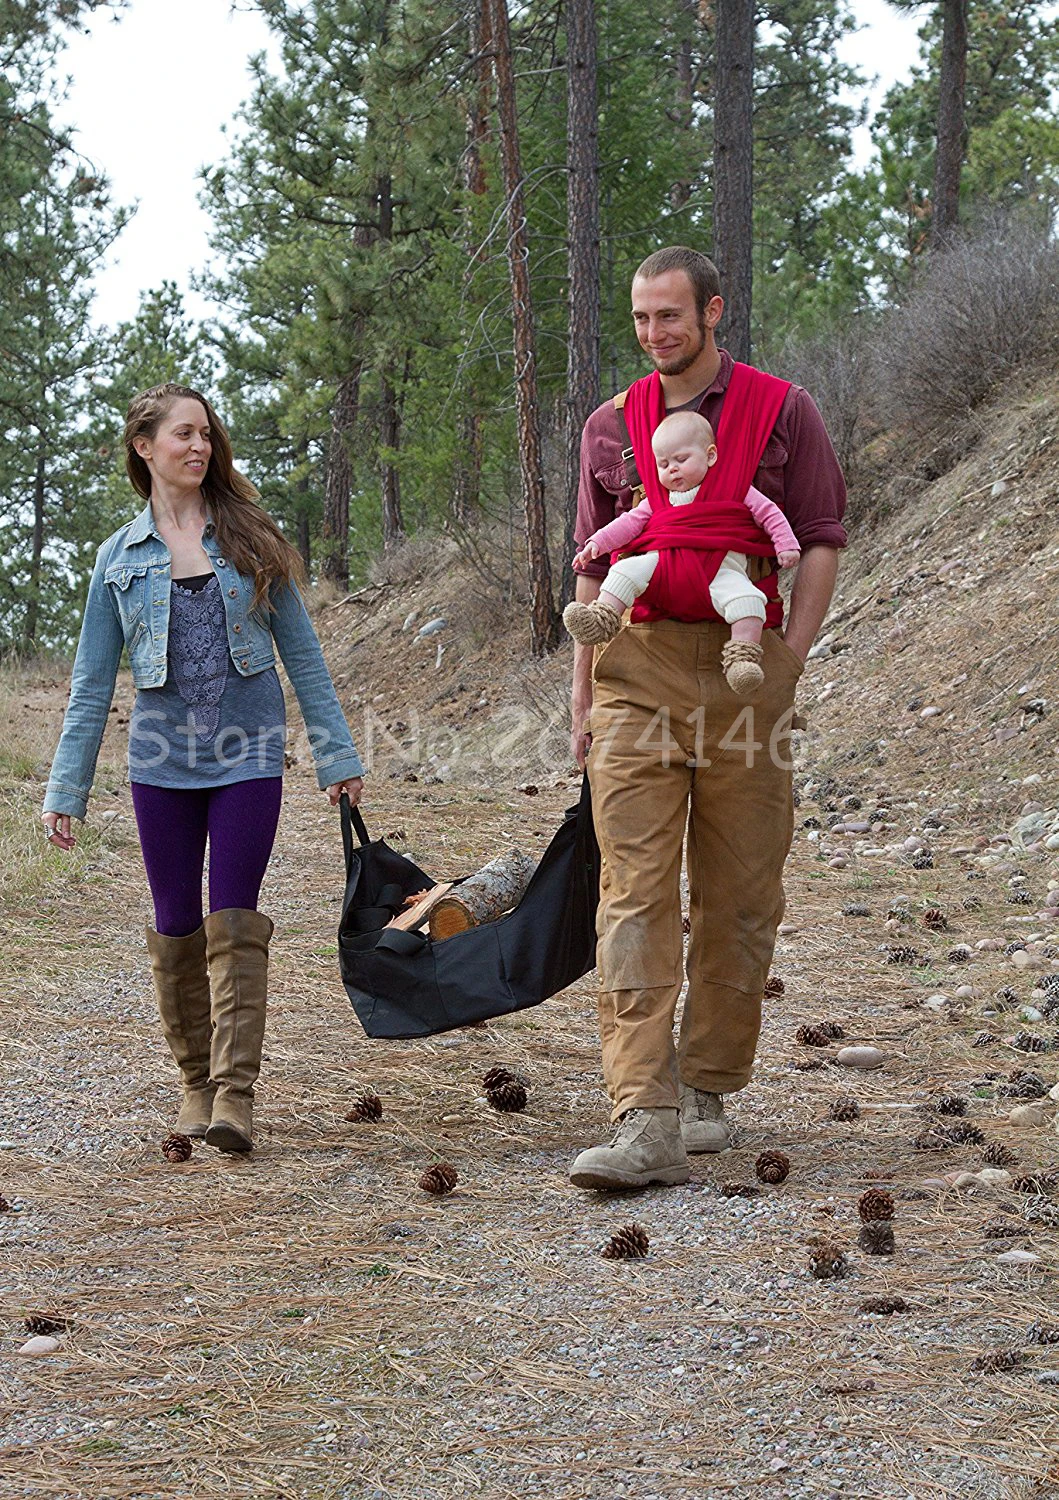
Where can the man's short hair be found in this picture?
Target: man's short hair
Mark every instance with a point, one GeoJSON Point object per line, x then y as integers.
{"type": "Point", "coordinates": [699, 269]}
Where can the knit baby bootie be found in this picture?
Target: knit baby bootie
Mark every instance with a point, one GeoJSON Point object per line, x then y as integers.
{"type": "Point", "coordinates": [591, 624]}
{"type": "Point", "coordinates": [741, 663]}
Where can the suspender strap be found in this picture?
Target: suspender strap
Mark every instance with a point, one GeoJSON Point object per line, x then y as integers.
{"type": "Point", "coordinates": [632, 473]}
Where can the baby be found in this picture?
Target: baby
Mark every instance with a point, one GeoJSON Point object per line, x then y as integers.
{"type": "Point", "coordinates": [684, 450]}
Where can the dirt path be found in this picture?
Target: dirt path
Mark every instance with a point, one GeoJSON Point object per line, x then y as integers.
{"type": "Point", "coordinates": [308, 1323]}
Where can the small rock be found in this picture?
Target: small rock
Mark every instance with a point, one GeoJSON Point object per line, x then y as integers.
{"type": "Point", "coordinates": [1027, 1114]}
{"type": "Point", "coordinates": [999, 487]}
{"type": "Point", "coordinates": [838, 863]}
{"type": "Point", "coordinates": [410, 618]}
{"type": "Point", "coordinates": [994, 1177]}
{"type": "Point", "coordinates": [786, 929]}
{"type": "Point", "coordinates": [929, 713]}
{"type": "Point", "coordinates": [860, 1057]}
{"type": "Point", "coordinates": [432, 627]}
{"type": "Point", "coordinates": [936, 1002]}
{"type": "Point", "coordinates": [935, 1184]}
{"type": "Point", "coordinates": [965, 992]}
{"type": "Point", "coordinates": [41, 1344]}
{"type": "Point", "coordinates": [1018, 1258]}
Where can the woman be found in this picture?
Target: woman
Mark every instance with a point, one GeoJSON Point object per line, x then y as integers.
{"type": "Point", "coordinates": [201, 588]}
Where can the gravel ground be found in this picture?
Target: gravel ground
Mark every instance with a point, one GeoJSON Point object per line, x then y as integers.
{"type": "Point", "coordinates": [308, 1323]}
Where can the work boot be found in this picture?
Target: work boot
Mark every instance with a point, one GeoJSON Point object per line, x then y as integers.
{"type": "Point", "coordinates": [237, 953]}
{"type": "Point", "coordinates": [182, 989]}
{"type": "Point", "coordinates": [646, 1148]}
{"type": "Point", "coordinates": [702, 1122]}
{"type": "Point", "coordinates": [741, 663]}
{"type": "Point", "coordinates": [591, 624]}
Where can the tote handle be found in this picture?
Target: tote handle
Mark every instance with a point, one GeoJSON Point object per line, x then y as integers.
{"type": "Point", "coordinates": [352, 821]}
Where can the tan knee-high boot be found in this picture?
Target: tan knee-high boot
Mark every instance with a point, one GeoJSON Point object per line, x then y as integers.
{"type": "Point", "coordinates": [237, 953]}
{"type": "Point", "coordinates": [182, 988]}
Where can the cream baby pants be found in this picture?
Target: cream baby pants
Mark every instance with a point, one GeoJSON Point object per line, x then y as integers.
{"type": "Point", "coordinates": [732, 594]}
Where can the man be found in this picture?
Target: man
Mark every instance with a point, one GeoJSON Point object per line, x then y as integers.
{"type": "Point", "coordinates": [670, 745]}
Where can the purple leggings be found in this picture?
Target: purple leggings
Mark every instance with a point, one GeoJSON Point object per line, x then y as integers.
{"type": "Point", "coordinates": [240, 820]}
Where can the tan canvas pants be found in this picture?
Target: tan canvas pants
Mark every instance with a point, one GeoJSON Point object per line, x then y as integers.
{"type": "Point", "coordinates": [672, 747]}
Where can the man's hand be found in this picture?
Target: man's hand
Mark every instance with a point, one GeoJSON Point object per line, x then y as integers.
{"type": "Point", "coordinates": [580, 734]}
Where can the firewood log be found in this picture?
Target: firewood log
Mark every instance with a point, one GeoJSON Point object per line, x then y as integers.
{"type": "Point", "coordinates": [483, 897]}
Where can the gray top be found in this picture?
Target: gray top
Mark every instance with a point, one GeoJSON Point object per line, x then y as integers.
{"type": "Point", "coordinates": [205, 726]}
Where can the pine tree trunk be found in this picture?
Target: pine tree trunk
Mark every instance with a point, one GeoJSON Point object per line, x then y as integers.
{"type": "Point", "coordinates": [948, 161]}
{"type": "Point", "coordinates": [31, 622]}
{"type": "Point", "coordinates": [582, 235]}
{"type": "Point", "coordinates": [467, 476]}
{"type": "Point", "coordinates": [390, 438]}
{"type": "Point", "coordinates": [733, 158]}
{"type": "Point", "coordinates": [544, 621]}
{"type": "Point", "coordinates": [338, 482]}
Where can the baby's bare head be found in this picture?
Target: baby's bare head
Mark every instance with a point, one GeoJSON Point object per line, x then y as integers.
{"type": "Point", "coordinates": [684, 448]}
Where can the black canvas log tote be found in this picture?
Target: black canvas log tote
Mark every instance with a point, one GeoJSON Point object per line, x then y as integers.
{"type": "Point", "coordinates": [402, 984]}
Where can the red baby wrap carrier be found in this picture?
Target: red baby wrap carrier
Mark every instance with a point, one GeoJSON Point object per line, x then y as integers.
{"type": "Point", "coordinates": [692, 540]}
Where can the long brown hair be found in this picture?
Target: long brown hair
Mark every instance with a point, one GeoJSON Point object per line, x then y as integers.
{"type": "Point", "coordinates": [245, 531]}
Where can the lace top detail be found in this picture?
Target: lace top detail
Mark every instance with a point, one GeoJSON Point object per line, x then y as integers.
{"type": "Point", "coordinates": [198, 652]}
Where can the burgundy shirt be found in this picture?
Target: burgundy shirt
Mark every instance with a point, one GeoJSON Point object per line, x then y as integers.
{"type": "Point", "coordinates": [799, 471]}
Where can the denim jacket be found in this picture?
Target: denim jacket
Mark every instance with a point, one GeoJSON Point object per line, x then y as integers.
{"type": "Point", "coordinates": [128, 605]}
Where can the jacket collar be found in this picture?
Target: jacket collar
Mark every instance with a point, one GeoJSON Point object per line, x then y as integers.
{"type": "Point", "coordinates": [144, 527]}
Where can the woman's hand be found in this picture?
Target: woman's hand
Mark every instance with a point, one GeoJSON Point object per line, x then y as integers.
{"type": "Point", "coordinates": [354, 787]}
{"type": "Point", "coordinates": [57, 830]}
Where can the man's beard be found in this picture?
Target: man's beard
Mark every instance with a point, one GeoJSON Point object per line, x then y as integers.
{"type": "Point", "coordinates": [685, 361]}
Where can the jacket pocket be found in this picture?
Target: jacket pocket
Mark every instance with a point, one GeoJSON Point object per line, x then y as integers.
{"type": "Point", "coordinates": [128, 588]}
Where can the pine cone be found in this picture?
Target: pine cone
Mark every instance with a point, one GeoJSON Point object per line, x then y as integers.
{"type": "Point", "coordinates": [5, 1206]}
{"type": "Point", "coordinates": [1016, 947]}
{"type": "Point", "coordinates": [1002, 1228]}
{"type": "Point", "coordinates": [630, 1243]}
{"type": "Point", "coordinates": [996, 1154]}
{"type": "Point", "coordinates": [497, 1077]}
{"type": "Point", "coordinates": [897, 911]}
{"type": "Point", "coordinates": [38, 1324]}
{"type": "Point", "coordinates": [901, 953]}
{"type": "Point", "coordinates": [1042, 1333]}
{"type": "Point", "coordinates": [1022, 1085]}
{"type": "Point", "coordinates": [739, 1190]}
{"type": "Point", "coordinates": [876, 1203]}
{"type": "Point", "coordinates": [176, 1147]}
{"type": "Point", "coordinates": [1019, 898]}
{"type": "Point", "coordinates": [828, 1261]}
{"type": "Point", "coordinates": [877, 1237]}
{"type": "Point", "coordinates": [1038, 1210]}
{"type": "Point", "coordinates": [961, 954]}
{"type": "Point", "coordinates": [441, 1178]}
{"type": "Point", "coordinates": [924, 860]}
{"type": "Point", "coordinates": [1035, 1182]}
{"type": "Point", "coordinates": [1028, 1041]}
{"type": "Point", "coordinates": [998, 1362]}
{"type": "Point", "coordinates": [951, 1104]}
{"type": "Point", "coordinates": [366, 1107]}
{"type": "Point", "coordinates": [856, 909]}
{"type": "Point", "coordinates": [843, 1110]}
{"type": "Point", "coordinates": [984, 1039]}
{"type": "Point", "coordinates": [973, 903]}
{"type": "Point", "coordinates": [963, 1133]}
{"type": "Point", "coordinates": [808, 1064]}
{"type": "Point", "coordinates": [812, 1036]}
{"type": "Point", "coordinates": [772, 1166]}
{"type": "Point", "coordinates": [832, 1030]}
{"type": "Point", "coordinates": [773, 986]}
{"type": "Point", "coordinates": [935, 919]}
{"type": "Point", "coordinates": [508, 1097]}
{"type": "Point", "coordinates": [884, 1305]}
{"type": "Point", "coordinates": [931, 1139]}
{"type": "Point", "coordinates": [1006, 998]}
